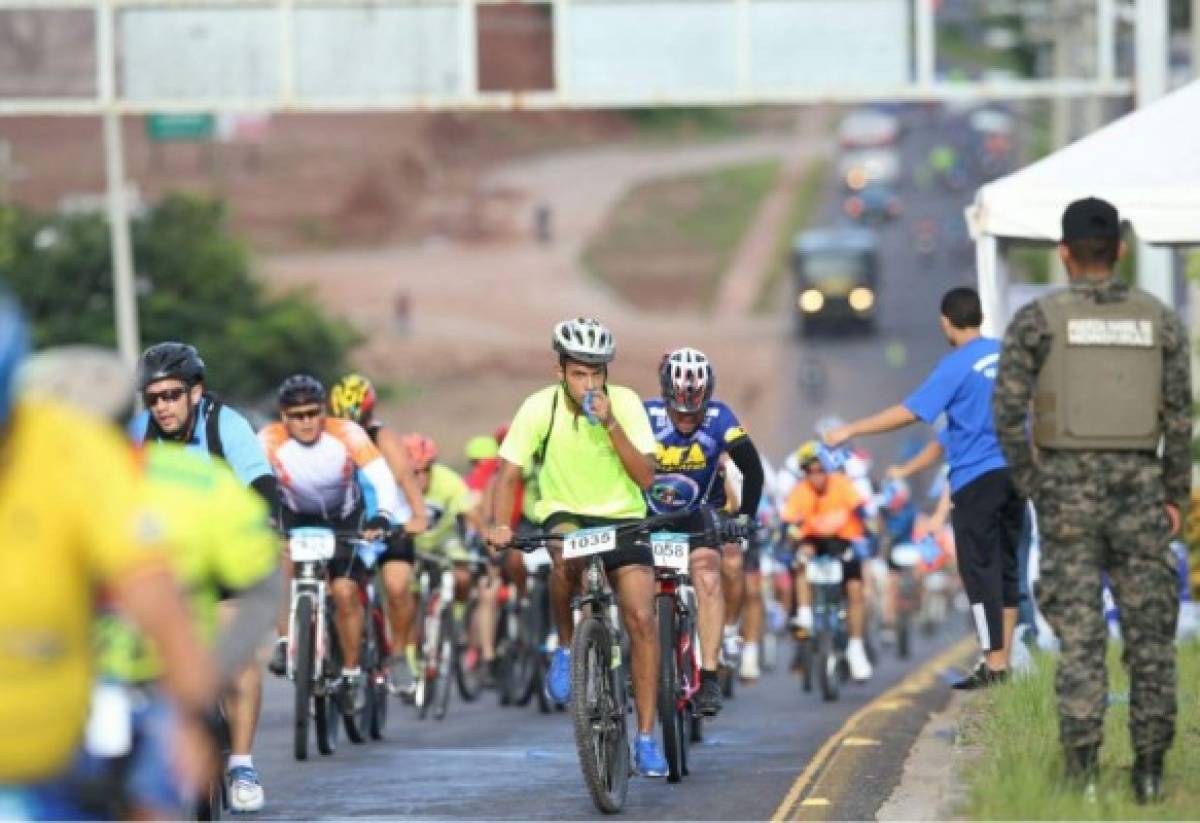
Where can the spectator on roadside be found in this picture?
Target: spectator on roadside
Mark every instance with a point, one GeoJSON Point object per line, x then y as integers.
{"type": "Point", "coordinates": [1106, 371]}
{"type": "Point", "coordinates": [988, 513]}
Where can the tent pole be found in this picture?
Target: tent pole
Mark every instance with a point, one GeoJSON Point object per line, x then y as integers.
{"type": "Point", "coordinates": [1155, 273]}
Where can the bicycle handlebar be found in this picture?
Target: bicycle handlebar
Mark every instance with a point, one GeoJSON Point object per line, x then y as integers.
{"type": "Point", "coordinates": [723, 526]}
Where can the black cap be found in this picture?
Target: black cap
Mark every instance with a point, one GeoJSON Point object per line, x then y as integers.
{"type": "Point", "coordinates": [1090, 218]}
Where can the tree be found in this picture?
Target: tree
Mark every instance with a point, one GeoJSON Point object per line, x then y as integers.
{"type": "Point", "coordinates": [194, 284]}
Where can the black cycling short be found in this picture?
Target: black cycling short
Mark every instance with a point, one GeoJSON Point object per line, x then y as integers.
{"type": "Point", "coordinates": [345, 562]}
{"type": "Point", "coordinates": [836, 547]}
{"type": "Point", "coordinates": [400, 549]}
{"type": "Point", "coordinates": [627, 552]}
{"type": "Point", "coordinates": [752, 558]}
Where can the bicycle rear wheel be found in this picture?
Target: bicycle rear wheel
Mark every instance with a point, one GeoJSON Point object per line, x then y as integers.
{"type": "Point", "coordinates": [601, 737]}
{"type": "Point", "coordinates": [303, 649]}
{"type": "Point", "coordinates": [668, 683]}
{"type": "Point", "coordinates": [468, 660]}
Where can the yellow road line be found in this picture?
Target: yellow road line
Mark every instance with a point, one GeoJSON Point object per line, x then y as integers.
{"type": "Point", "coordinates": [915, 681]}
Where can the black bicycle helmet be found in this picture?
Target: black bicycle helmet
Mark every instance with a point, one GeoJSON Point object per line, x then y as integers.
{"type": "Point", "coordinates": [170, 360]}
{"type": "Point", "coordinates": [299, 390]}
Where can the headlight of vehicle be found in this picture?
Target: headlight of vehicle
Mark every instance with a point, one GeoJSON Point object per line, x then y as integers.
{"type": "Point", "coordinates": [861, 298]}
{"type": "Point", "coordinates": [811, 301]}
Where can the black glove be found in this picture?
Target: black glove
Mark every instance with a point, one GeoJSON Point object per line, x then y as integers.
{"type": "Point", "coordinates": [738, 528]}
{"type": "Point", "coordinates": [377, 523]}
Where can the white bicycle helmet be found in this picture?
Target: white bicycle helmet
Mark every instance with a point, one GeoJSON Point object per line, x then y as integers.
{"type": "Point", "coordinates": [585, 340]}
{"type": "Point", "coordinates": [687, 380]}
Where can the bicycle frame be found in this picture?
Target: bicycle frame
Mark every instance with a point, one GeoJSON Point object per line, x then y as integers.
{"type": "Point", "coordinates": [687, 656]}
{"type": "Point", "coordinates": [308, 581]}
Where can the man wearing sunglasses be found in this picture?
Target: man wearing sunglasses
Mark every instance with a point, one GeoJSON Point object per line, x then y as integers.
{"type": "Point", "coordinates": [180, 410]}
{"type": "Point", "coordinates": [332, 476]}
{"type": "Point", "coordinates": [693, 432]}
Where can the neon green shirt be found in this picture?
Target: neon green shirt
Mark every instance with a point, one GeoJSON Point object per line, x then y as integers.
{"type": "Point", "coordinates": [581, 471]}
{"type": "Point", "coordinates": [218, 540]}
{"type": "Point", "coordinates": [447, 498]}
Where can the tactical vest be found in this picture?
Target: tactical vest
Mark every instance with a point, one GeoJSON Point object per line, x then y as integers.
{"type": "Point", "coordinates": [1100, 388]}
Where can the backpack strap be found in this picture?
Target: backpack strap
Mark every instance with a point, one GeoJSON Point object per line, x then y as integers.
{"type": "Point", "coordinates": [539, 457]}
{"type": "Point", "coordinates": [212, 426]}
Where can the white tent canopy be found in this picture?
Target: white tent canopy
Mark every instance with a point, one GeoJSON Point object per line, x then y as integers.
{"type": "Point", "coordinates": [1147, 164]}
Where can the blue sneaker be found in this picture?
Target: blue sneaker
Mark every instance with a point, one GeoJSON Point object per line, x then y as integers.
{"type": "Point", "coordinates": [648, 760]}
{"type": "Point", "coordinates": [558, 678]}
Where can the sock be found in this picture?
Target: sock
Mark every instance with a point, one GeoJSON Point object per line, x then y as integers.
{"type": "Point", "coordinates": [351, 672]}
{"type": "Point", "coordinates": [460, 610]}
{"type": "Point", "coordinates": [730, 629]}
{"type": "Point", "coordinates": [240, 761]}
{"type": "Point", "coordinates": [410, 657]}
{"type": "Point", "coordinates": [706, 675]}
{"type": "Point", "coordinates": [805, 615]}
{"type": "Point", "coordinates": [855, 643]}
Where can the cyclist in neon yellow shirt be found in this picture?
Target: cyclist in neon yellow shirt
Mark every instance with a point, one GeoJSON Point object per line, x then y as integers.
{"type": "Point", "coordinates": [596, 450]}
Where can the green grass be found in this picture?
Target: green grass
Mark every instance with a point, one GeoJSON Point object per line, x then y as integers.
{"type": "Point", "coordinates": [705, 123]}
{"type": "Point", "coordinates": [1017, 776]}
{"type": "Point", "coordinates": [668, 242]}
{"type": "Point", "coordinates": [805, 201]}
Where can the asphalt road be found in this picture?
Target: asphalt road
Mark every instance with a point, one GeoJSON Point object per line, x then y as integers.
{"type": "Point", "coordinates": [487, 762]}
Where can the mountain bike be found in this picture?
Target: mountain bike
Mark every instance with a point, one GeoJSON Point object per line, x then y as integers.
{"type": "Point", "coordinates": [679, 661]}
{"type": "Point", "coordinates": [371, 719]}
{"type": "Point", "coordinates": [313, 659]}
{"type": "Point", "coordinates": [825, 658]}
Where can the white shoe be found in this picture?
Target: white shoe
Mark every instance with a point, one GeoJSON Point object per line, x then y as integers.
{"type": "Point", "coordinates": [245, 790]}
{"type": "Point", "coordinates": [856, 657]}
{"type": "Point", "coordinates": [749, 669]}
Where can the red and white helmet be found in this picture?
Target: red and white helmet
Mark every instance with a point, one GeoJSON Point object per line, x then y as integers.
{"type": "Point", "coordinates": [421, 451]}
{"type": "Point", "coordinates": [687, 380]}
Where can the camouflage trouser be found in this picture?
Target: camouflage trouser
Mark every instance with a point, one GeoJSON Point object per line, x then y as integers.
{"type": "Point", "coordinates": [1103, 512]}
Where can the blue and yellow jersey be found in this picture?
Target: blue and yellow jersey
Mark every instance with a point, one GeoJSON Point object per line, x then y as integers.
{"type": "Point", "coordinates": [687, 466]}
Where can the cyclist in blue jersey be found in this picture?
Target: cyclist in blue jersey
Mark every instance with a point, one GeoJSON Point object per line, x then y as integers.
{"type": "Point", "coordinates": [180, 410]}
{"type": "Point", "coordinates": [693, 431]}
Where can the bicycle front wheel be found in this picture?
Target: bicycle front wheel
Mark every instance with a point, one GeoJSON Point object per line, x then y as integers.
{"type": "Point", "coordinates": [668, 712]}
{"type": "Point", "coordinates": [303, 650]}
{"type": "Point", "coordinates": [601, 736]}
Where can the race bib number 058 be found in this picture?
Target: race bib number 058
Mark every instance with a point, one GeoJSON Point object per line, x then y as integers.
{"type": "Point", "coordinates": [587, 542]}
{"type": "Point", "coordinates": [670, 550]}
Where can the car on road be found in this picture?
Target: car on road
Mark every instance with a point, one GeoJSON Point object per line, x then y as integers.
{"type": "Point", "coordinates": [862, 167]}
{"type": "Point", "coordinates": [868, 128]}
{"type": "Point", "coordinates": [874, 205]}
{"type": "Point", "coordinates": [836, 275]}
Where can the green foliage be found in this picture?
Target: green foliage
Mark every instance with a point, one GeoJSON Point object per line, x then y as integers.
{"type": "Point", "coordinates": [1017, 775]}
{"type": "Point", "coordinates": [194, 284]}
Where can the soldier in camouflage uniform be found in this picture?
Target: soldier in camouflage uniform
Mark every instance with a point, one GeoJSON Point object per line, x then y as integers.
{"type": "Point", "coordinates": [1105, 370]}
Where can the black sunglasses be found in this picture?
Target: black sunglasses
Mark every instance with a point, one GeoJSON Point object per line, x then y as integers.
{"type": "Point", "coordinates": [151, 398]}
{"type": "Point", "coordinates": [303, 414]}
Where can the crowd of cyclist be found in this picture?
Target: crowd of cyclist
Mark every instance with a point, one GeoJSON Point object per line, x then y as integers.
{"type": "Point", "coordinates": [206, 498]}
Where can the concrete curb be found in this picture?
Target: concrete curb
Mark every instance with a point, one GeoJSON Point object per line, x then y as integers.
{"type": "Point", "coordinates": [931, 786]}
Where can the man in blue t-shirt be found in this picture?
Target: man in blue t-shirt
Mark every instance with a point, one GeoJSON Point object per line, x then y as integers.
{"type": "Point", "coordinates": [988, 513]}
{"type": "Point", "coordinates": [179, 410]}
{"type": "Point", "coordinates": [693, 433]}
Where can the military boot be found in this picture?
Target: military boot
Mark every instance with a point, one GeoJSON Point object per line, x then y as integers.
{"type": "Point", "coordinates": [1083, 768]}
{"type": "Point", "coordinates": [1147, 777]}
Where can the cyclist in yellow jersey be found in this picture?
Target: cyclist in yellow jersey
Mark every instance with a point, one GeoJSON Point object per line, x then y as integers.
{"type": "Point", "coordinates": [596, 450]}
{"type": "Point", "coordinates": [219, 544]}
{"type": "Point", "coordinates": [451, 515]}
{"type": "Point", "coordinates": [55, 550]}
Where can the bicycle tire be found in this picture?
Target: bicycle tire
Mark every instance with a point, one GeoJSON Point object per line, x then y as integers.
{"type": "Point", "coordinates": [469, 680]}
{"type": "Point", "coordinates": [303, 649]}
{"type": "Point", "coordinates": [377, 682]}
{"type": "Point", "coordinates": [445, 664]}
{"type": "Point", "coordinates": [804, 652]}
{"type": "Point", "coordinates": [326, 717]}
{"type": "Point", "coordinates": [523, 658]}
{"type": "Point", "coordinates": [427, 683]}
{"type": "Point", "coordinates": [668, 683]}
{"type": "Point", "coordinates": [826, 664]}
{"type": "Point", "coordinates": [685, 729]}
{"type": "Point", "coordinates": [358, 722]}
{"type": "Point", "coordinates": [904, 634]}
{"type": "Point", "coordinates": [697, 727]}
{"type": "Point", "coordinates": [601, 734]}
{"type": "Point", "coordinates": [209, 806]}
